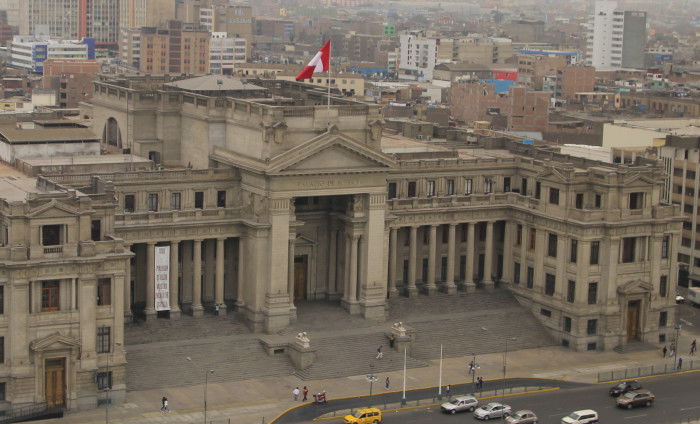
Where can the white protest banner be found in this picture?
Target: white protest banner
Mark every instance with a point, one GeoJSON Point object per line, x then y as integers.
{"type": "Point", "coordinates": [162, 275]}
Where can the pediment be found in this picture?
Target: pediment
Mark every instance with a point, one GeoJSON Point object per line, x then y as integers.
{"type": "Point", "coordinates": [547, 171]}
{"type": "Point", "coordinates": [302, 239]}
{"type": "Point", "coordinates": [335, 157]}
{"type": "Point", "coordinates": [54, 341]}
{"type": "Point", "coordinates": [635, 287]}
{"type": "Point", "coordinates": [636, 178]}
{"type": "Point", "coordinates": [52, 209]}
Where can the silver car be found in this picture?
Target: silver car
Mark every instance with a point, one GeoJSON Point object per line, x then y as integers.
{"type": "Point", "coordinates": [492, 410]}
{"type": "Point", "coordinates": [523, 416]}
{"type": "Point", "coordinates": [459, 404]}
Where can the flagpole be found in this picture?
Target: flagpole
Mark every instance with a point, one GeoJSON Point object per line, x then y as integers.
{"type": "Point", "coordinates": [328, 107]}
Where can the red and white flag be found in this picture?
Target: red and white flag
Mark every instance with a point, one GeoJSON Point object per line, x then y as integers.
{"type": "Point", "coordinates": [320, 63]}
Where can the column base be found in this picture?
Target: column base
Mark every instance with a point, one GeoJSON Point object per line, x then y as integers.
{"type": "Point", "coordinates": [393, 292]}
{"type": "Point", "coordinates": [221, 310]}
{"type": "Point", "coordinates": [150, 313]}
{"type": "Point", "coordinates": [292, 313]}
{"type": "Point", "coordinates": [469, 287]}
{"type": "Point", "coordinates": [128, 318]}
{"type": "Point", "coordinates": [334, 296]}
{"type": "Point", "coordinates": [239, 305]}
{"type": "Point", "coordinates": [412, 291]}
{"type": "Point", "coordinates": [175, 314]}
{"type": "Point", "coordinates": [197, 311]}
{"type": "Point", "coordinates": [430, 289]}
{"type": "Point", "coordinates": [352, 306]}
{"type": "Point", "coordinates": [450, 288]}
{"type": "Point", "coordinates": [488, 284]}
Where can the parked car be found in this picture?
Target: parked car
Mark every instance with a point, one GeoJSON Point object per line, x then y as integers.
{"type": "Point", "coordinates": [584, 416]}
{"type": "Point", "coordinates": [459, 404]}
{"type": "Point", "coordinates": [636, 398]}
{"type": "Point", "coordinates": [680, 299]}
{"type": "Point", "coordinates": [492, 410]}
{"type": "Point", "coordinates": [523, 416]}
{"type": "Point", "coordinates": [364, 416]}
{"type": "Point", "coordinates": [624, 387]}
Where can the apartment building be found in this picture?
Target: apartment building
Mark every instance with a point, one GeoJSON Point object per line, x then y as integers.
{"type": "Point", "coordinates": [226, 53]}
{"type": "Point", "coordinates": [70, 79]}
{"type": "Point", "coordinates": [28, 52]}
{"type": "Point", "coordinates": [615, 38]}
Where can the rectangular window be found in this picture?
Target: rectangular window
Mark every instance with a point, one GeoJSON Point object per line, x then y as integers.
{"type": "Point", "coordinates": [129, 203]}
{"type": "Point", "coordinates": [506, 184]}
{"type": "Point", "coordinates": [96, 230]}
{"type": "Point", "coordinates": [443, 268]}
{"type": "Point", "coordinates": [571, 291]}
{"type": "Point", "coordinates": [523, 186]}
{"type": "Point", "coordinates": [549, 283]}
{"type": "Point", "coordinates": [567, 324]}
{"type": "Point", "coordinates": [530, 277]}
{"type": "Point", "coordinates": [50, 296]}
{"type": "Point", "coordinates": [2, 350]}
{"type": "Point", "coordinates": [430, 189]}
{"type": "Point", "coordinates": [598, 203]}
{"type": "Point", "coordinates": [221, 199]}
{"type": "Point", "coordinates": [104, 380]}
{"type": "Point", "coordinates": [553, 196]}
{"type": "Point", "coordinates": [2, 392]}
{"type": "Point", "coordinates": [51, 235]}
{"type": "Point", "coordinates": [488, 185]}
{"type": "Point", "coordinates": [573, 251]}
{"type": "Point", "coordinates": [199, 200]}
{"type": "Point", "coordinates": [592, 293]}
{"type": "Point", "coordinates": [636, 200]}
{"type": "Point", "coordinates": [545, 312]}
{"type": "Point", "coordinates": [516, 273]}
{"type": "Point", "coordinates": [579, 201]}
{"type": "Point", "coordinates": [663, 286]}
{"type": "Point", "coordinates": [468, 186]}
{"type": "Point", "coordinates": [519, 235]}
{"type": "Point", "coordinates": [595, 251]}
{"type": "Point", "coordinates": [445, 233]}
{"type": "Point", "coordinates": [628, 249]}
{"type": "Point", "coordinates": [104, 340]}
{"type": "Point", "coordinates": [538, 189]}
{"type": "Point", "coordinates": [391, 191]}
{"type": "Point", "coordinates": [663, 319]}
{"type": "Point", "coordinates": [664, 247]}
{"type": "Point", "coordinates": [450, 187]}
{"type": "Point", "coordinates": [104, 292]}
{"type": "Point", "coordinates": [2, 300]}
{"type": "Point", "coordinates": [592, 346]}
{"type": "Point", "coordinates": [552, 245]}
{"type": "Point", "coordinates": [175, 201]}
{"type": "Point", "coordinates": [592, 327]}
{"type": "Point", "coordinates": [153, 202]}
{"type": "Point", "coordinates": [411, 189]}
{"type": "Point", "coordinates": [533, 239]}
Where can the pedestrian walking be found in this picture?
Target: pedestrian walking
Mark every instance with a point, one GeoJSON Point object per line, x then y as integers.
{"type": "Point", "coordinates": [480, 383]}
{"type": "Point", "coordinates": [295, 393]}
{"type": "Point", "coordinates": [164, 404]}
{"type": "Point", "coordinates": [392, 340]}
{"type": "Point", "coordinates": [680, 363]}
{"type": "Point", "coordinates": [693, 347]}
{"type": "Point", "coordinates": [306, 393]}
{"type": "Point", "coordinates": [672, 350]}
{"type": "Point", "coordinates": [663, 352]}
{"type": "Point", "coordinates": [447, 391]}
{"type": "Point", "coordinates": [380, 354]}
{"type": "Point", "coordinates": [386, 383]}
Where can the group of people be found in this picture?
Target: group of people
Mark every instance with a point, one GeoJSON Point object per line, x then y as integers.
{"type": "Point", "coordinates": [672, 351]}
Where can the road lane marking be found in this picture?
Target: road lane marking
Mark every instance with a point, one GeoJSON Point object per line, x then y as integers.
{"type": "Point", "coordinates": [635, 416]}
{"type": "Point", "coordinates": [690, 408]}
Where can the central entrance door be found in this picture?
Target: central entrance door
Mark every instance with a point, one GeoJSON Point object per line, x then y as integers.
{"type": "Point", "coordinates": [55, 380]}
{"type": "Point", "coordinates": [300, 276]}
{"type": "Point", "coordinates": [633, 307]}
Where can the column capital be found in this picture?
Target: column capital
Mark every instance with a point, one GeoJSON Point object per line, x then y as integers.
{"type": "Point", "coordinates": [453, 224]}
{"type": "Point", "coordinates": [434, 225]}
{"type": "Point", "coordinates": [151, 243]}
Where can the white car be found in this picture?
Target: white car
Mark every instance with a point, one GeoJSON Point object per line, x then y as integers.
{"type": "Point", "coordinates": [459, 404]}
{"type": "Point", "coordinates": [492, 410]}
{"type": "Point", "coordinates": [584, 416]}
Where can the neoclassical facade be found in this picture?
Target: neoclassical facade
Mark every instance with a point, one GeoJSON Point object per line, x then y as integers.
{"type": "Point", "coordinates": [263, 201]}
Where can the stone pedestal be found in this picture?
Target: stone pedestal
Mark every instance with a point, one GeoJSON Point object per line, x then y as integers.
{"type": "Point", "coordinates": [450, 288]}
{"type": "Point", "coordinates": [430, 289]}
{"type": "Point", "coordinates": [412, 291]}
{"type": "Point", "coordinates": [220, 310]}
{"type": "Point", "coordinates": [469, 286]}
{"type": "Point", "coordinates": [404, 337]}
{"type": "Point", "coordinates": [301, 353]}
{"type": "Point", "coordinates": [197, 311]}
{"type": "Point", "coordinates": [174, 314]}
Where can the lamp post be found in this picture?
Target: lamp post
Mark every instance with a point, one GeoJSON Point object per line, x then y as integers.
{"type": "Point", "coordinates": [206, 385]}
{"type": "Point", "coordinates": [371, 378]}
{"type": "Point", "coordinates": [678, 343]}
{"type": "Point", "coordinates": [108, 401]}
{"type": "Point", "coordinates": [505, 355]}
{"type": "Point", "coordinates": [473, 366]}
{"type": "Point", "coordinates": [403, 394]}
{"type": "Point", "coordinates": [440, 377]}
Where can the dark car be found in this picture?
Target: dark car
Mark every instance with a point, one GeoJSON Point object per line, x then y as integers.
{"type": "Point", "coordinates": [624, 387]}
{"type": "Point", "coordinates": [636, 398]}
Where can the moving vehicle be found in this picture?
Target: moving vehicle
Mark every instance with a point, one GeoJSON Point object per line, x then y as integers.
{"type": "Point", "coordinates": [524, 416]}
{"type": "Point", "coordinates": [364, 416]}
{"type": "Point", "coordinates": [584, 416]}
{"type": "Point", "coordinates": [492, 410]}
{"type": "Point", "coordinates": [459, 404]}
{"type": "Point", "coordinates": [636, 398]}
{"type": "Point", "coordinates": [693, 296]}
{"type": "Point", "coordinates": [624, 387]}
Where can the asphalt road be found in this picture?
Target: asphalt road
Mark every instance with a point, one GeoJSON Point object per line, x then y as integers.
{"type": "Point", "coordinates": [677, 398]}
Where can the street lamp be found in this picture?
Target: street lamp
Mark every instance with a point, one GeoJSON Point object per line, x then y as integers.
{"type": "Point", "coordinates": [206, 385]}
{"type": "Point", "coordinates": [505, 355]}
{"type": "Point", "coordinates": [473, 366]}
{"type": "Point", "coordinates": [109, 386]}
{"type": "Point", "coordinates": [371, 378]}
{"type": "Point", "coordinates": [678, 344]}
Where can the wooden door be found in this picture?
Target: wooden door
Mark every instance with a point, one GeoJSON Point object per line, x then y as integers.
{"type": "Point", "coordinates": [55, 380]}
{"type": "Point", "coordinates": [300, 274]}
{"type": "Point", "coordinates": [633, 319]}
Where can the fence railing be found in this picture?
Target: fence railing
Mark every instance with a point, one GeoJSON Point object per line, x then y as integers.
{"type": "Point", "coordinates": [649, 370]}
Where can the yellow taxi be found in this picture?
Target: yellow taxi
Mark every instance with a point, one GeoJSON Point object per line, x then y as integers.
{"type": "Point", "coordinates": [364, 416]}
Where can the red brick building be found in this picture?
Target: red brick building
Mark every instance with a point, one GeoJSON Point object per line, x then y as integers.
{"type": "Point", "coordinates": [71, 79]}
{"type": "Point", "coordinates": [516, 110]}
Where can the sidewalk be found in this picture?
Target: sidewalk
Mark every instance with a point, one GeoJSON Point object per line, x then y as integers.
{"type": "Point", "coordinates": [260, 400]}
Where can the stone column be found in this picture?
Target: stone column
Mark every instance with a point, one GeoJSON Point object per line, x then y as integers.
{"type": "Point", "coordinates": [197, 309]}
{"type": "Point", "coordinates": [538, 283]}
{"type": "Point", "coordinates": [412, 262]}
{"type": "Point", "coordinates": [450, 286]}
{"type": "Point", "coordinates": [523, 254]}
{"type": "Point", "coordinates": [655, 260]}
{"type": "Point", "coordinates": [613, 258]}
{"type": "Point", "coordinates": [562, 282]}
{"type": "Point", "coordinates": [332, 263]}
{"type": "Point", "coordinates": [471, 246]}
{"type": "Point", "coordinates": [509, 229]}
{"type": "Point", "coordinates": [127, 286]}
{"type": "Point", "coordinates": [583, 260]}
{"type": "Point", "coordinates": [174, 283]}
{"type": "Point", "coordinates": [353, 269]}
{"type": "Point", "coordinates": [290, 274]}
{"type": "Point", "coordinates": [346, 268]}
{"type": "Point", "coordinates": [362, 266]}
{"type": "Point", "coordinates": [393, 238]}
{"type": "Point", "coordinates": [88, 324]}
{"type": "Point", "coordinates": [430, 287]}
{"type": "Point", "coordinates": [150, 279]}
{"type": "Point", "coordinates": [219, 282]}
{"type": "Point", "coordinates": [118, 302]}
{"type": "Point", "coordinates": [209, 265]}
{"type": "Point", "coordinates": [241, 274]}
{"type": "Point", "coordinates": [187, 274]}
{"type": "Point", "coordinates": [488, 255]}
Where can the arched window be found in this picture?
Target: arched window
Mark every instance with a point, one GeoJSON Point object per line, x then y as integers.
{"type": "Point", "coordinates": [111, 134]}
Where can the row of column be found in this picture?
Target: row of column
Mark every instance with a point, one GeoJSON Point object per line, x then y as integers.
{"type": "Point", "coordinates": [430, 285]}
{"type": "Point", "coordinates": [196, 280]}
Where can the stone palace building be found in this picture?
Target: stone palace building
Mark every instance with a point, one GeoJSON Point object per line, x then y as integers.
{"type": "Point", "coordinates": [264, 196]}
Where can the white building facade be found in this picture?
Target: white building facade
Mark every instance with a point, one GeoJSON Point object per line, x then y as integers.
{"type": "Point", "coordinates": [28, 52]}
{"type": "Point", "coordinates": [418, 55]}
{"type": "Point", "coordinates": [225, 53]}
{"type": "Point", "coordinates": [615, 38]}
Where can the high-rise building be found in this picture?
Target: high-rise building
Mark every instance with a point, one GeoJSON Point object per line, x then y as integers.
{"type": "Point", "coordinates": [225, 52]}
{"type": "Point", "coordinates": [12, 9]}
{"type": "Point", "coordinates": [418, 54]}
{"type": "Point", "coordinates": [99, 19]}
{"type": "Point", "coordinates": [141, 13]}
{"type": "Point", "coordinates": [616, 38]}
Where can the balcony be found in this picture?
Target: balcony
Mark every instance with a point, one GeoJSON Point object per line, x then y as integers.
{"type": "Point", "coordinates": [175, 216]}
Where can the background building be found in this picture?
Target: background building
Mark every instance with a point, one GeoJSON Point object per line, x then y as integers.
{"type": "Point", "coordinates": [71, 79]}
{"type": "Point", "coordinates": [28, 52]}
{"type": "Point", "coordinates": [225, 53]}
{"type": "Point", "coordinates": [616, 38]}
{"type": "Point", "coordinates": [418, 55]}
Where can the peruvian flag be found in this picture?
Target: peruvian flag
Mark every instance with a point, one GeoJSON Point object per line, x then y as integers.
{"type": "Point", "coordinates": [320, 63]}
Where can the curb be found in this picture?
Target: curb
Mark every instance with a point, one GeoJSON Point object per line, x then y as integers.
{"type": "Point", "coordinates": [649, 377]}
